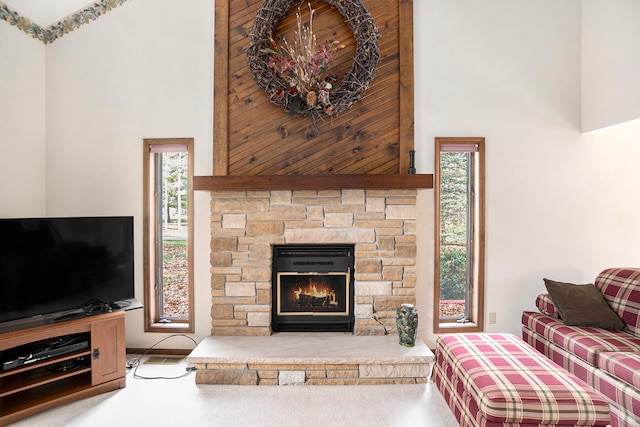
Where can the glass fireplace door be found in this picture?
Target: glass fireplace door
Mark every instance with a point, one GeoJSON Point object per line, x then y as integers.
{"type": "Point", "coordinates": [300, 294]}
{"type": "Point", "coordinates": [312, 288]}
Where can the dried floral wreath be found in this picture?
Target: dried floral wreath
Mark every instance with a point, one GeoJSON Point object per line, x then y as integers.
{"type": "Point", "coordinates": [296, 75]}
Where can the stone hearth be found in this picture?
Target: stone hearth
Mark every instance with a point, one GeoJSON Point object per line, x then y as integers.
{"type": "Point", "coordinates": [324, 358]}
{"type": "Point", "coordinates": [245, 224]}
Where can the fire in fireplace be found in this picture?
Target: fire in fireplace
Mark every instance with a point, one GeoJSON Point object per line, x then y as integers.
{"type": "Point", "coordinates": [312, 288]}
{"type": "Point", "coordinates": [319, 292]}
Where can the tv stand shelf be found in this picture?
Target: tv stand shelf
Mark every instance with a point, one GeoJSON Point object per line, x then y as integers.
{"type": "Point", "coordinates": [38, 386]}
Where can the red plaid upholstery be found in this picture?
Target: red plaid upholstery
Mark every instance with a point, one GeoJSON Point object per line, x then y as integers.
{"type": "Point", "coordinates": [575, 365]}
{"type": "Point", "coordinates": [620, 394]}
{"type": "Point", "coordinates": [624, 366]}
{"type": "Point", "coordinates": [620, 287]}
{"type": "Point", "coordinates": [499, 380]}
{"type": "Point", "coordinates": [545, 305]}
{"type": "Point", "coordinates": [464, 408]}
{"type": "Point", "coordinates": [622, 418]}
{"type": "Point", "coordinates": [609, 361]}
{"type": "Point", "coordinates": [584, 342]}
{"type": "Point", "coordinates": [624, 399]}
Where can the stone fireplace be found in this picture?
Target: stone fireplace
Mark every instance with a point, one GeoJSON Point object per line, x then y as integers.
{"type": "Point", "coordinates": [246, 226]}
{"type": "Point", "coordinates": [282, 186]}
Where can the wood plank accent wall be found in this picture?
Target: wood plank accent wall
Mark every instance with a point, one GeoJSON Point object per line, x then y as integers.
{"type": "Point", "coordinates": [255, 137]}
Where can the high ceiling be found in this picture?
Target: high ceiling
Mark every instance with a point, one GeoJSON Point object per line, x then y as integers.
{"type": "Point", "coordinates": [46, 12]}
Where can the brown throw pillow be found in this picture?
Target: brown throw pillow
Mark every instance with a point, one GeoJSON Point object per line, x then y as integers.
{"type": "Point", "coordinates": [582, 305]}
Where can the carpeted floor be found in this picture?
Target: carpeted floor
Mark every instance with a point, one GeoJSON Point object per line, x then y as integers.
{"type": "Point", "coordinates": [180, 402]}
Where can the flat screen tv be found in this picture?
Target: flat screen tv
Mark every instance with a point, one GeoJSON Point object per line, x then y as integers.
{"type": "Point", "coordinates": [52, 265]}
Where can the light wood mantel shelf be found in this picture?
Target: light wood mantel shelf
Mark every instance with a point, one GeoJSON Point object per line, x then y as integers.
{"type": "Point", "coordinates": [312, 182]}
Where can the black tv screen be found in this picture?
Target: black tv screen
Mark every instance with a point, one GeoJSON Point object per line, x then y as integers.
{"type": "Point", "coordinates": [49, 265]}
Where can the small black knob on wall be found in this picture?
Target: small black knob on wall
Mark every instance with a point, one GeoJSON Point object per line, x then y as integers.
{"type": "Point", "coordinates": [96, 353]}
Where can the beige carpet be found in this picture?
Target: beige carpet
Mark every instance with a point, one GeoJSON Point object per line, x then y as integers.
{"type": "Point", "coordinates": [180, 402]}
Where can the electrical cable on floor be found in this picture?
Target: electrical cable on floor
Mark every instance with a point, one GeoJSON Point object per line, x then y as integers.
{"type": "Point", "coordinates": [134, 363]}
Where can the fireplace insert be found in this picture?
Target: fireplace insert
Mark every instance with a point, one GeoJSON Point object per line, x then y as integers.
{"type": "Point", "coordinates": [312, 288]}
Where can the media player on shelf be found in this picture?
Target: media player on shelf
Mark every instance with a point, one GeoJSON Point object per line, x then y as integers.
{"type": "Point", "coordinates": [38, 351]}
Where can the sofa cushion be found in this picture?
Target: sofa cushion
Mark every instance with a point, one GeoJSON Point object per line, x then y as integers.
{"type": "Point", "coordinates": [545, 305]}
{"type": "Point", "coordinates": [585, 342]}
{"type": "Point", "coordinates": [620, 394]}
{"type": "Point", "coordinates": [582, 305]}
{"type": "Point", "coordinates": [624, 366]}
{"type": "Point", "coordinates": [620, 287]}
{"type": "Point", "coordinates": [624, 399]}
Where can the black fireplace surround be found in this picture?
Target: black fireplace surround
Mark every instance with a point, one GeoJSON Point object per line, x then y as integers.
{"type": "Point", "coordinates": [312, 288]}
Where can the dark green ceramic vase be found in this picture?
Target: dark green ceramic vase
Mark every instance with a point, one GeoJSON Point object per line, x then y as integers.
{"type": "Point", "coordinates": [407, 322]}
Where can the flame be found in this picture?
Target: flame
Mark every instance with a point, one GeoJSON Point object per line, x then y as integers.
{"type": "Point", "coordinates": [317, 290]}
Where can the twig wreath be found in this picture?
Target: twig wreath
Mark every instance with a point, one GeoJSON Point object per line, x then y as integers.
{"type": "Point", "coordinates": [268, 61]}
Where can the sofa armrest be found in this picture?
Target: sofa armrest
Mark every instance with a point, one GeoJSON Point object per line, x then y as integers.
{"type": "Point", "coordinates": [545, 306]}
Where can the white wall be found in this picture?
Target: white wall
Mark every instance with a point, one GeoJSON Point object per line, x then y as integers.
{"type": "Point", "coordinates": [610, 63]}
{"type": "Point", "coordinates": [611, 161]}
{"type": "Point", "coordinates": [560, 204]}
{"type": "Point", "coordinates": [22, 124]}
{"type": "Point", "coordinates": [144, 70]}
{"type": "Point", "coordinates": [508, 71]}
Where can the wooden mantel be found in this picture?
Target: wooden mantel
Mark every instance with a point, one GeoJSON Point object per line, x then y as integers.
{"type": "Point", "coordinates": [312, 182]}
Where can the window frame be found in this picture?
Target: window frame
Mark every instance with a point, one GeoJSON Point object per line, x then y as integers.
{"type": "Point", "coordinates": [476, 297]}
{"type": "Point", "coordinates": [152, 319]}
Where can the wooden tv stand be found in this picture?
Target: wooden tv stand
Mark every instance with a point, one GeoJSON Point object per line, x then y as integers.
{"type": "Point", "coordinates": [41, 385]}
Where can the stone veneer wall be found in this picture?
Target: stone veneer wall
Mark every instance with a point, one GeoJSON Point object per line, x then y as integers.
{"type": "Point", "coordinates": [311, 373]}
{"type": "Point", "coordinates": [245, 225]}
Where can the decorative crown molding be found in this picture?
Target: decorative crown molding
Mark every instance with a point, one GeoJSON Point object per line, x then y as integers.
{"type": "Point", "coordinates": [68, 24]}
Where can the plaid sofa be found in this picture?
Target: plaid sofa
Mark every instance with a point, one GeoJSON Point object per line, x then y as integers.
{"type": "Point", "coordinates": [607, 360]}
{"type": "Point", "coordinates": [499, 380]}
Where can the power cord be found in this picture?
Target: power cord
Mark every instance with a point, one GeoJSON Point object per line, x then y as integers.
{"type": "Point", "coordinates": [134, 364]}
{"type": "Point", "coordinates": [89, 308]}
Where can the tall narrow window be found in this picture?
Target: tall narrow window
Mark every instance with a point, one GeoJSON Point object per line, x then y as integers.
{"type": "Point", "coordinates": [168, 235]}
{"type": "Point", "coordinates": [459, 241]}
